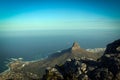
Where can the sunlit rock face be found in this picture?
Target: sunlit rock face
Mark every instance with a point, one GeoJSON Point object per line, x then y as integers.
{"type": "Point", "coordinates": [75, 49]}
{"type": "Point", "coordinates": [75, 46]}
{"type": "Point", "coordinates": [118, 48]}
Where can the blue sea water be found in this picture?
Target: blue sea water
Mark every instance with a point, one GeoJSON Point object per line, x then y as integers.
{"type": "Point", "coordinates": [33, 45]}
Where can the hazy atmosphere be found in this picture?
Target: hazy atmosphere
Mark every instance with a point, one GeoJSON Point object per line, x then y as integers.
{"type": "Point", "coordinates": [33, 29]}
{"type": "Point", "coordinates": [59, 14]}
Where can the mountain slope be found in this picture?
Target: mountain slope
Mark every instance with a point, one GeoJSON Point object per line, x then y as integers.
{"type": "Point", "coordinates": [36, 69]}
{"type": "Point", "coordinates": [106, 68]}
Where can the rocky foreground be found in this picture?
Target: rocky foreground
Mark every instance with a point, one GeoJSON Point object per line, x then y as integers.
{"type": "Point", "coordinates": [73, 63]}
{"type": "Point", "coordinates": [105, 68]}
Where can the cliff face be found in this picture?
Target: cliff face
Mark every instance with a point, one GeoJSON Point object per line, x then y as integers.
{"type": "Point", "coordinates": [75, 46]}
{"type": "Point", "coordinates": [109, 63]}
{"type": "Point", "coordinates": [106, 68]}
{"type": "Point", "coordinates": [113, 48]}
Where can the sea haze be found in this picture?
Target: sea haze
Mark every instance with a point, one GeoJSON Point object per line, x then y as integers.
{"type": "Point", "coordinates": [38, 44]}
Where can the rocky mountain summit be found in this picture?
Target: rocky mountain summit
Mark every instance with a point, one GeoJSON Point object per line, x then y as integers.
{"type": "Point", "coordinates": [75, 46]}
{"type": "Point", "coordinates": [105, 68]}
{"type": "Point", "coordinates": [74, 63]}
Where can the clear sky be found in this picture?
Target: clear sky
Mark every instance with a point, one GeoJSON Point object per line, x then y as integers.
{"type": "Point", "coordinates": [59, 14]}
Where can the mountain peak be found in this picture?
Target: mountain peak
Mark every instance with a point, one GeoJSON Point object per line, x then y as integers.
{"type": "Point", "coordinates": [75, 46]}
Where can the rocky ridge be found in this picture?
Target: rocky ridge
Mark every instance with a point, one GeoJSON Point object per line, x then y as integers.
{"type": "Point", "coordinates": [105, 68]}
{"type": "Point", "coordinates": [73, 63]}
{"type": "Point", "coordinates": [19, 69]}
{"type": "Point", "coordinates": [75, 46]}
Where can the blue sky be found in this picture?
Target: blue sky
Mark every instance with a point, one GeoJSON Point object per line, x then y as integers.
{"type": "Point", "coordinates": [59, 14]}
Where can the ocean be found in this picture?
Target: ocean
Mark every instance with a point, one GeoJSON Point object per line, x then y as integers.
{"type": "Point", "coordinates": [33, 45]}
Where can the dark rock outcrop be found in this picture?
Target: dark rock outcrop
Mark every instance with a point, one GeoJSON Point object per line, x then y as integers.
{"type": "Point", "coordinates": [109, 67]}
{"type": "Point", "coordinates": [72, 69]}
{"type": "Point", "coordinates": [106, 68]}
{"type": "Point", "coordinates": [113, 48]}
